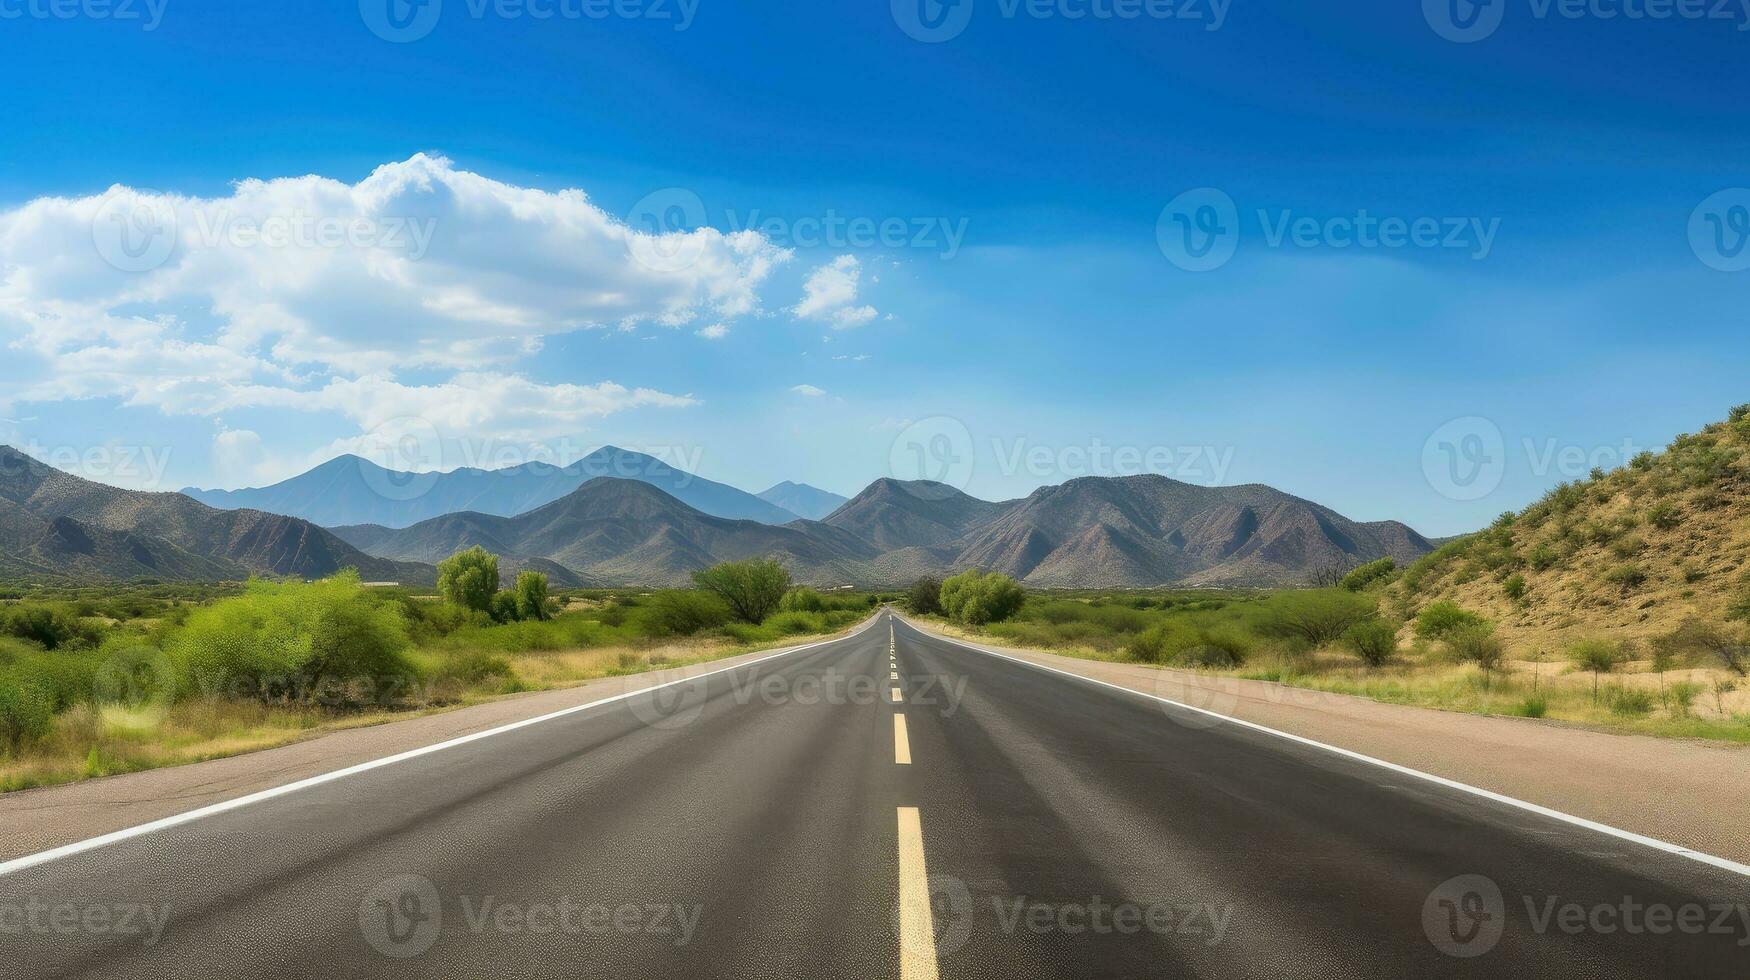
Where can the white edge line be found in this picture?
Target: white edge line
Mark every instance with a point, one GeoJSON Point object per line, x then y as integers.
{"type": "Point", "coordinates": [1703, 857]}
{"type": "Point", "coordinates": [225, 806]}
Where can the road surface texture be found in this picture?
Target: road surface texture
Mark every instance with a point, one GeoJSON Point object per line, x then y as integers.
{"type": "Point", "coordinates": [891, 804]}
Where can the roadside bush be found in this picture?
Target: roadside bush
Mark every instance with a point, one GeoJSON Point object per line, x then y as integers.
{"type": "Point", "coordinates": [976, 598]}
{"type": "Point", "coordinates": [296, 641]}
{"type": "Point", "coordinates": [1534, 706]}
{"type": "Point", "coordinates": [924, 598]}
{"type": "Point", "coordinates": [1373, 641]}
{"type": "Point", "coordinates": [1598, 657]}
{"type": "Point", "coordinates": [25, 714]}
{"type": "Point", "coordinates": [1477, 644]}
{"type": "Point", "coordinates": [751, 589]}
{"type": "Point", "coordinates": [1628, 575]}
{"type": "Point", "coordinates": [1631, 703]}
{"type": "Point", "coordinates": [469, 579]}
{"type": "Point", "coordinates": [1438, 620]}
{"type": "Point", "coordinates": [683, 612]}
{"type": "Point", "coordinates": [1215, 649]}
{"type": "Point", "coordinates": [802, 599]}
{"type": "Point", "coordinates": [1360, 578]}
{"type": "Point", "coordinates": [1317, 617]}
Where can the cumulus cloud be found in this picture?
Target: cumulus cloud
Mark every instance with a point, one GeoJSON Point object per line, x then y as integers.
{"type": "Point", "coordinates": [830, 295]}
{"type": "Point", "coordinates": [808, 391]}
{"type": "Point", "coordinates": [716, 331]}
{"type": "Point", "coordinates": [312, 294]}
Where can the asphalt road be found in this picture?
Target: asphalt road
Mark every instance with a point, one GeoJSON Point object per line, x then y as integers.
{"type": "Point", "coordinates": [792, 819]}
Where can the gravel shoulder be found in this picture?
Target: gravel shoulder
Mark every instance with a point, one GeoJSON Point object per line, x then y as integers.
{"type": "Point", "coordinates": [1689, 793]}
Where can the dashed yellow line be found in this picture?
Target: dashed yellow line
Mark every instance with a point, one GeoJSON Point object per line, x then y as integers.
{"type": "Point", "coordinates": [901, 744]}
{"type": "Point", "coordinates": [917, 932]}
{"type": "Point", "coordinates": [896, 695]}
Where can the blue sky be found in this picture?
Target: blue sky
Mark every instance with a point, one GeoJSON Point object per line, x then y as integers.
{"type": "Point", "coordinates": [1033, 319]}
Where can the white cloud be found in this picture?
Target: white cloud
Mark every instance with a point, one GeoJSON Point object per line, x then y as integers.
{"type": "Point", "coordinates": [830, 294]}
{"type": "Point", "coordinates": [716, 331]}
{"type": "Point", "coordinates": [808, 391]}
{"type": "Point", "coordinates": [311, 294]}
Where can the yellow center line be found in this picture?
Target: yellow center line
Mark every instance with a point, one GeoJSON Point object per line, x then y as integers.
{"type": "Point", "coordinates": [901, 744]}
{"type": "Point", "coordinates": [917, 933]}
{"type": "Point", "coordinates": [896, 695]}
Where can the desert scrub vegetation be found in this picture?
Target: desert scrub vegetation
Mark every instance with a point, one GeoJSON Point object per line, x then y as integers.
{"type": "Point", "coordinates": [1447, 656]}
{"type": "Point", "coordinates": [151, 676]}
{"type": "Point", "coordinates": [1630, 552]}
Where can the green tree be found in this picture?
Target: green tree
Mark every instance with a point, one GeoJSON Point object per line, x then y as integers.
{"type": "Point", "coordinates": [469, 578]}
{"type": "Point", "coordinates": [1366, 575]}
{"type": "Point", "coordinates": [1596, 656]}
{"type": "Point", "coordinates": [1437, 620]}
{"type": "Point", "coordinates": [925, 597]}
{"type": "Point", "coordinates": [976, 598]}
{"type": "Point", "coordinates": [751, 589]}
{"type": "Point", "coordinates": [531, 596]}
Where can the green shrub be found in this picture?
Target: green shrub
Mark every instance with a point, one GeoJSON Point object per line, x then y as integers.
{"type": "Point", "coordinates": [1317, 617]}
{"type": "Point", "coordinates": [1189, 646]}
{"type": "Point", "coordinates": [1438, 620]}
{"type": "Point", "coordinates": [471, 667]}
{"type": "Point", "coordinates": [924, 598]}
{"type": "Point", "coordinates": [802, 599]}
{"type": "Point", "coordinates": [1534, 706]}
{"type": "Point", "coordinates": [1542, 558]}
{"type": "Point", "coordinates": [1683, 695]}
{"type": "Point", "coordinates": [1363, 576]}
{"type": "Point", "coordinates": [25, 714]}
{"type": "Point", "coordinates": [328, 640]}
{"type": "Point", "coordinates": [1629, 703]}
{"type": "Point", "coordinates": [976, 598]}
{"type": "Point", "coordinates": [469, 579]}
{"type": "Point", "coordinates": [1628, 575]}
{"type": "Point", "coordinates": [751, 589]}
{"type": "Point", "coordinates": [1374, 641]}
{"type": "Point", "coordinates": [1665, 516]}
{"type": "Point", "coordinates": [684, 612]}
{"type": "Point", "coordinates": [1514, 587]}
{"type": "Point", "coordinates": [1214, 649]}
{"type": "Point", "coordinates": [51, 626]}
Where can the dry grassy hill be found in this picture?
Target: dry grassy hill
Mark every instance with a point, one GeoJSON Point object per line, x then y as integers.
{"type": "Point", "coordinates": [1630, 554]}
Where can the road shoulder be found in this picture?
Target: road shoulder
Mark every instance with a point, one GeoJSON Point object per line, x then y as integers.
{"type": "Point", "coordinates": [1684, 792]}
{"type": "Point", "coordinates": [37, 820]}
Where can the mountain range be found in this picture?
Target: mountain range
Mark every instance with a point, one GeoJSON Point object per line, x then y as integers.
{"type": "Point", "coordinates": [351, 490]}
{"type": "Point", "coordinates": [650, 529]}
{"type": "Point", "coordinates": [1096, 532]}
{"type": "Point", "coordinates": [56, 526]}
{"type": "Point", "coordinates": [802, 500]}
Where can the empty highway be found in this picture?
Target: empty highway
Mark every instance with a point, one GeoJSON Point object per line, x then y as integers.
{"type": "Point", "coordinates": [889, 804]}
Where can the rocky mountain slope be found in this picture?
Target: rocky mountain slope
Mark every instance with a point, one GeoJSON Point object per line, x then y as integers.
{"type": "Point", "coordinates": [57, 526]}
